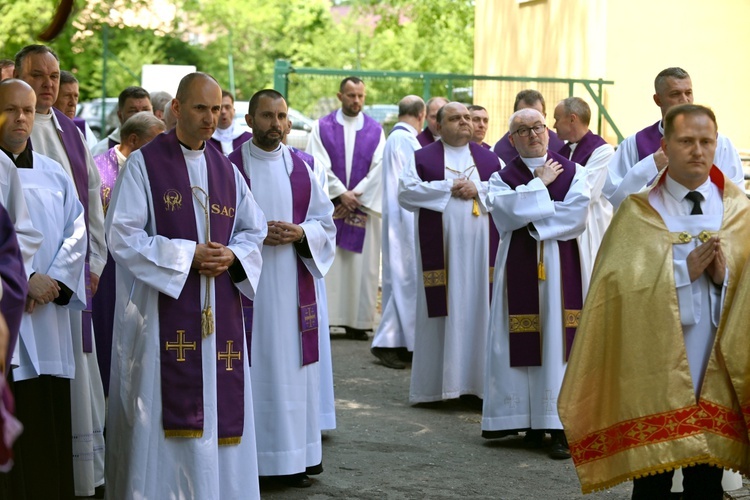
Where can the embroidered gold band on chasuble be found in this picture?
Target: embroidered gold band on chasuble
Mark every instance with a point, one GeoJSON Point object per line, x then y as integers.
{"type": "Point", "coordinates": [627, 401]}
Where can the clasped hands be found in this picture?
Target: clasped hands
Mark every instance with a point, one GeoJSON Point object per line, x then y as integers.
{"type": "Point", "coordinates": [708, 257]}
{"type": "Point", "coordinates": [349, 203]}
{"type": "Point", "coordinates": [211, 259]}
{"type": "Point", "coordinates": [283, 233]}
{"type": "Point", "coordinates": [463, 189]}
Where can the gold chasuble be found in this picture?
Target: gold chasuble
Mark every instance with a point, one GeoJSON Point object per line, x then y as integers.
{"type": "Point", "coordinates": [627, 401]}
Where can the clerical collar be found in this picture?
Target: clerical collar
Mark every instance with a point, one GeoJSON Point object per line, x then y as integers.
{"type": "Point", "coordinates": [203, 146]}
{"type": "Point", "coordinates": [262, 154]}
{"type": "Point", "coordinates": [457, 149]}
{"type": "Point", "coordinates": [121, 158]}
{"type": "Point", "coordinates": [22, 160]}
{"type": "Point", "coordinates": [224, 134]}
{"type": "Point", "coordinates": [533, 163]}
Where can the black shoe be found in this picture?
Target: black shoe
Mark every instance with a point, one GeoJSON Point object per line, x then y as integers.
{"type": "Point", "coordinates": [404, 354]}
{"type": "Point", "coordinates": [472, 401]}
{"type": "Point", "coordinates": [388, 357]}
{"type": "Point", "coordinates": [295, 480]}
{"type": "Point", "coordinates": [356, 334]}
{"type": "Point", "coordinates": [314, 470]}
{"type": "Point", "coordinates": [498, 434]}
{"type": "Point", "coordinates": [559, 448]}
{"type": "Point", "coordinates": [534, 438]}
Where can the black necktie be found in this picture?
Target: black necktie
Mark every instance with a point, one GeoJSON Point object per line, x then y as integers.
{"type": "Point", "coordinates": [696, 198]}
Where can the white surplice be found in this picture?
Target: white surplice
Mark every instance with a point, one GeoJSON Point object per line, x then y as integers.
{"type": "Point", "coordinates": [627, 175]}
{"type": "Point", "coordinates": [449, 352]}
{"type": "Point", "coordinates": [226, 137]}
{"type": "Point", "coordinates": [11, 197]}
{"type": "Point", "coordinates": [286, 394]}
{"type": "Point", "coordinates": [352, 282]}
{"type": "Point", "coordinates": [327, 399]}
{"type": "Point", "coordinates": [45, 345]}
{"type": "Point", "coordinates": [526, 397]}
{"type": "Point", "coordinates": [86, 390]}
{"type": "Point", "coordinates": [103, 145]}
{"type": "Point", "coordinates": [399, 282]}
{"type": "Point", "coordinates": [141, 462]}
{"type": "Point", "coordinates": [600, 209]}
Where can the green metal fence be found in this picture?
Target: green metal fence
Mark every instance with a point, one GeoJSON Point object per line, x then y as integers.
{"type": "Point", "coordinates": [312, 90]}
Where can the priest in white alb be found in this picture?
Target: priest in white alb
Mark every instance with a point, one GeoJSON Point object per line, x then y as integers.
{"type": "Point", "coordinates": [539, 202]}
{"type": "Point", "coordinates": [349, 145]}
{"type": "Point", "coordinates": [285, 328]}
{"type": "Point", "coordinates": [185, 233]}
{"type": "Point", "coordinates": [445, 184]}
{"type": "Point", "coordinates": [398, 321]}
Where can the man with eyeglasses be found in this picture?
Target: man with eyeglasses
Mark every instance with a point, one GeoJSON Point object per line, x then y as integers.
{"type": "Point", "coordinates": [445, 185]}
{"type": "Point", "coordinates": [539, 203]}
{"type": "Point", "coordinates": [639, 157]}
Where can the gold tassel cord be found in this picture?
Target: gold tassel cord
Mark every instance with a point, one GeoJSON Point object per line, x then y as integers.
{"type": "Point", "coordinates": [542, 275]}
{"type": "Point", "coordinates": [475, 208]}
{"type": "Point", "coordinates": [207, 316]}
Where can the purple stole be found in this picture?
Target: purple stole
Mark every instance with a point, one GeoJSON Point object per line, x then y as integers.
{"type": "Point", "coordinates": [648, 140]}
{"type": "Point", "coordinates": [81, 124]}
{"type": "Point", "coordinates": [485, 145]}
{"type": "Point", "coordinates": [430, 165]}
{"type": "Point", "coordinates": [111, 143]}
{"type": "Point", "coordinates": [350, 231]}
{"type": "Point", "coordinates": [584, 148]}
{"type": "Point", "coordinates": [425, 137]}
{"type": "Point", "coordinates": [236, 142]}
{"type": "Point", "coordinates": [76, 151]}
{"type": "Point", "coordinates": [12, 279]}
{"type": "Point", "coordinates": [180, 337]}
{"type": "Point", "coordinates": [306, 300]}
{"type": "Point", "coordinates": [522, 273]}
{"type": "Point", "coordinates": [103, 313]}
{"type": "Point", "coordinates": [306, 157]}
{"type": "Point", "coordinates": [507, 152]}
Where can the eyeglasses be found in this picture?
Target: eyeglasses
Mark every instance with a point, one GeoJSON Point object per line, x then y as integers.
{"type": "Point", "coordinates": [537, 129]}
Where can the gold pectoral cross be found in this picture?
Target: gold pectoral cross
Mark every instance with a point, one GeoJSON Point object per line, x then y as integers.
{"type": "Point", "coordinates": [180, 346]}
{"type": "Point", "coordinates": [230, 356]}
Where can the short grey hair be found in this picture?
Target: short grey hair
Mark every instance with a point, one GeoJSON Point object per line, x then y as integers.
{"type": "Point", "coordinates": [661, 78]}
{"type": "Point", "coordinates": [579, 107]}
{"type": "Point", "coordinates": [141, 124]}
{"type": "Point", "coordinates": [160, 99]}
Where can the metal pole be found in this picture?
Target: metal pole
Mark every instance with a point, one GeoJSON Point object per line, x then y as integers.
{"type": "Point", "coordinates": [231, 65]}
{"type": "Point", "coordinates": [105, 49]}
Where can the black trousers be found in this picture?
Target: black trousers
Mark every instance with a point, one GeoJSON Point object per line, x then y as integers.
{"type": "Point", "coordinates": [700, 482]}
{"type": "Point", "coordinates": [43, 453]}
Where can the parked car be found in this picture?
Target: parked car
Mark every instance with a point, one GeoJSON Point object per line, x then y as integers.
{"type": "Point", "coordinates": [91, 111]}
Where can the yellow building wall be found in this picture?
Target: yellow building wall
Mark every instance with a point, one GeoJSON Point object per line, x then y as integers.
{"type": "Point", "coordinates": [628, 41]}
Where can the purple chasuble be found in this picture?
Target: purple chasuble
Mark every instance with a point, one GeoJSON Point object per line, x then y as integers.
{"type": "Point", "coordinates": [180, 337]}
{"type": "Point", "coordinates": [430, 165]}
{"type": "Point", "coordinates": [76, 151]}
{"type": "Point", "coordinates": [81, 124]}
{"type": "Point", "coordinates": [13, 280]}
{"type": "Point", "coordinates": [307, 304]}
{"type": "Point", "coordinates": [425, 137]}
{"type": "Point", "coordinates": [485, 145]}
{"type": "Point", "coordinates": [507, 152]}
{"type": "Point", "coordinates": [522, 273]}
{"type": "Point", "coordinates": [306, 157]}
{"type": "Point", "coordinates": [584, 148]}
{"type": "Point", "coordinates": [648, 140]}
{"type": "Point", "coordinates": [103, 313]}
{"type": "Point", "coordinates": [350, 231]}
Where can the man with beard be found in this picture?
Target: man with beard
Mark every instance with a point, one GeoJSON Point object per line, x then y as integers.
{"type": "Point", "coordinates": [285, 338]}
{"type": "Point", "coordinates": [349, 145]}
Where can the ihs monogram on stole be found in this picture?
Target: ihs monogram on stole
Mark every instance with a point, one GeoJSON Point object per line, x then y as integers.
{"type": "Point", "coordinates": [172, 200]}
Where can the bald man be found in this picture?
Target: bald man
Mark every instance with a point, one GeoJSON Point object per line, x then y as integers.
{"type": "Point", "coordinates": [186, 364]}
{"type": "Point", "coordinates": [44, 363]}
